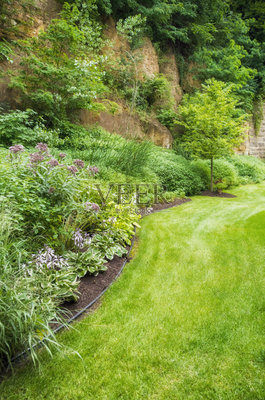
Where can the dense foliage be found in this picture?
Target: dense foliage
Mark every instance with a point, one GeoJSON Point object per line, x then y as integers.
{"type": "Point", "coordinates": [224, 38]}
{"type": "Point", "coordinates": [57, 76]}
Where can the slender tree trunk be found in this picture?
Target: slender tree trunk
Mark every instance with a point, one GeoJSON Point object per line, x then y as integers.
{"type": "Point", "coordinates": [211, 174]}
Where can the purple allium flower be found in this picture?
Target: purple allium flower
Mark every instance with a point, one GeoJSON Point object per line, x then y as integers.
{"type": "Point", "coordinates": [72, 169]}
{"type": "Point", "coordinates": [42, 147]}
{"type": "Point", "coordinates": [17, 148]}
{"type": "Point", "coordinates": [92, 206]}
{"type": "Point", "coordinates": [79, 163]}
{"type": "Point", "coordinates": [53, 162]}
{"type": "Point", "coordinates": [47, 257]}
{"type": "Point", "coordinates": [93, 170]}
{"type": "Point", "coordinates": [62, 156]}
{"type": "Point", "coordinates": [81, 239]}
{"type": "Point", "coordinates": [36, 158]}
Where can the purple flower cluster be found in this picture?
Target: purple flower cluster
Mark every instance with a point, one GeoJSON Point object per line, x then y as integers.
{"type": "Point", "coordinates": [42, 154]}
{"type": "Point", "coordinates": [93, 170]}
{"type": "Point", "coordinates": [42, 147]}
{"type": "Point", "coordinates": [92, 206]}
{"type": "Point", "coordinates": [81, 239]}
{"type": "Point", "coordinates": [47, 258]}
{"type": "Point", "coordinates": [53, 162]}
{"type": "Point", "coordinates": [72, 169]}
{"type": "Point", "coordinates": [36, 158]}
{"type": "Point", "coordinates": [16, 148]}
{"type": "Point", "coordinates": [79, 163]}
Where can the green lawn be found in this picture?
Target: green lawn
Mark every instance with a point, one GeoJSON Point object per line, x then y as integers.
{"type": "Point", "coordinates": [186, 320]}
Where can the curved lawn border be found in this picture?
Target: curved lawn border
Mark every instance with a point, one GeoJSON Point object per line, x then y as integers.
{"type": "Point", "coordinates": [24, 354]}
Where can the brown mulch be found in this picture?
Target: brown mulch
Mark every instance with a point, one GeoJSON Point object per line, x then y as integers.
{"type": "Point", "coordinates": [216, 194]}
{"type": "Point", "coordinates": [92, 286]}
{"type": "Point", "coordinates": [164, 206]}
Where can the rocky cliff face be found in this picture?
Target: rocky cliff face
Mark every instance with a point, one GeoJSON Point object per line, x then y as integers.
{"type": "Point", "coordinates": [168, 67]}
{"type": "Point", "coordinates": [126, 122]}
{"type": "Point", "coordinates": [27, 23]}
{"type": "Point", "coordinates": [129, 125]}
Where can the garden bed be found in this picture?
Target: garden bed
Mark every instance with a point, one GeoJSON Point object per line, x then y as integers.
{"type": "Point", "coordinates": [216, 194]}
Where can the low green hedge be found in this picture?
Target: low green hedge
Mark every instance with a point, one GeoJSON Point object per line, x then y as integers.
{"type": "Point", "coordinates": [250, 169]}
{"type": "Point", "coordinates": [176, 174]}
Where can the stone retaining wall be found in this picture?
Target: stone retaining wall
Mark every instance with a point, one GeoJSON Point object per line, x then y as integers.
{"type": "Point", "coordinates": [255, 144]}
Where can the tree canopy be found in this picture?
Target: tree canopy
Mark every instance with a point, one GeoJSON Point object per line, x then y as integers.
{"type": "Point", "coordinates": [225, 38]}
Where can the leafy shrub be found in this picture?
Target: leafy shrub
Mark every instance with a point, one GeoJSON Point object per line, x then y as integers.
{"type": "Point", "coordinates": [167, 116]}
{"type": "Point", "coordinates": [120, 221]}
{"type": "Point", "coordinates": [42, 193]}
{"type": "Point", "coordinates": [250, 169]}
{"type": "Point", "coordinates": [154, 92]}
{"type": "Point", "coordinates": [16, 126]}
{"type": "Point", "coordinates": [166, 21]}
{"type": "Point", "coordinates": [54, 200]}
{"type": "Point", "coordinates": [201, 168]}
{"type": "Point", "coordinates": [172, 196]}
{"type": "Point", "coordinates": [223, 64]}
{"type": "Point", "coordinates": [176, 174]}
{"type": "Point", "coordinates": [57, 77]}
{"type": "Point", "coordinates": [86, 17]}
{"type": "Point", "coordinates": [225, 174]}
{"type": "Point", "coordinates": [132, 28]}
{"type": "Point", "coordinates": [26, 128]}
